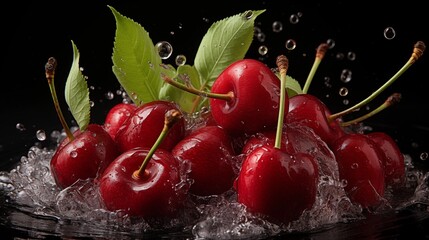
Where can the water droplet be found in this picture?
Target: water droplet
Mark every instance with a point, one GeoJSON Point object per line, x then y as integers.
{"type": "Point", "coordinates": [248, 15]}
{"type": "Point", "coordinates": [277, 26]}
{"type": "Point", "coordinates": [346, 102]}
{"type": "Point", "coordinates": [339, 56]}
{"type": "Point", "coordinates": [331, 43]}
{"type": "Point", "coordinates": [294, 19]}
{"type": "Point", "coordinates": [351, 56]}
{"type": "Point", "coordinates": [261, 37]}
{"type": "Point", "coordinates": [41, 135]}
{"type": "Point", "coordinates": [343, 91]}
{"type": "Point", "coordinates": [354, 166]}
{"type": "Point", "coordinates": [327, 81]}
{"type": "Point", "coordinates": [346, 76]}
{"type": "Point", "coordinates": [290, 44]}
{"type": "Point", "coordinates": [180, 60]}
{"type": "Point", "coordinates": [389, 33]}
{"type": "Point", "coordinates": [109, 95]}
{"type": "Point", "coordinates": [164, 49]}
{"type": "Point", "coordinates": [263, 50]}
{"type": "Point", "coordinates": [73, 154]}
{"type": "Point", "coordinates": [424, 156]}
{"type": "Point", "coordinates": [20, 127]}
{"type": "Point", "coordinates": [91, 103]}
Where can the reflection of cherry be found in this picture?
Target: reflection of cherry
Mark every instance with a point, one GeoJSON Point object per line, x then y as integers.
{"type": "Point", "coordinates": [145, 124]}
{"type": "Point", "coordinates": [360, 165]}
{"type": "Point", "coordinates": [116, 116]}
{"type": "Point", "coordinates": [209, 150]}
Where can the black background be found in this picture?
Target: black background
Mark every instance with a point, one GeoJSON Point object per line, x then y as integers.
{"type": "Point", "coordinates": [34, 31]}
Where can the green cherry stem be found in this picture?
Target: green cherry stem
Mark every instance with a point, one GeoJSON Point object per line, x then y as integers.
{"type": "Point", "coordinates": [418, 50]}
{"type": "Point", "coordinates": [50, 67]}
{"type": "Point", "coordinates": [282, 64]}
{"type": "Point", "coordinates": [391, 100]}
{"type": "Point", "coordinates": [320, 53]}
{"type": "Point", "coordinates": [171, 117]}
{"type": "Point", "coordinates": [227, 97]}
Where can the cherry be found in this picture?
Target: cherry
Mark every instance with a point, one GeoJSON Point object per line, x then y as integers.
{"type": "Point", "coordinates": [85, 153]}
{"type": "Point", "coordinates": [144, 182]}
{"type": "Point", "coordinates": [145, 124]}
{"type": "Point", "coordinates": [360, 164]}
{"type": "Point", "coordinates": [116, 116]}
{"type": "Point", "coordinates": [244, 98]}
{"type": "Point", "coordinates": [86, 156]}
{"type": "Point", "coordinates": [393, 161]}
{"type": "Point", "coordinates": [210, 153]}
{"type": "Point", "coordinates": [274, 184]}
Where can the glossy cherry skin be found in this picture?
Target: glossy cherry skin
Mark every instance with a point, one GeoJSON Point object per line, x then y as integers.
{"type": "Point", "coordinates": [394, 162]}
{"type": "Point", "coordinates": [87, 156]}
{"type": "Point", "coordinates": [310, 111]}
{"type": "Point", "coordinates": [116, 116]}
{"type": "Point", "coordinates": [276, 185]}
{"type": "Point", "coordinates": [144, 126]}
{"type": "Point", "coordinates": [153, 195]}
{"type": "Point", "coordinates": [360, 164]}
{"type": "Point", "coordinates": [255, 102]}
{"type": "Point", "coordinates": [210, 153]}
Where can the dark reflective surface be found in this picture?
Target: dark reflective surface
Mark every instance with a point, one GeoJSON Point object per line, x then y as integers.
{"type": "Point", "coordinates": [40, 30]}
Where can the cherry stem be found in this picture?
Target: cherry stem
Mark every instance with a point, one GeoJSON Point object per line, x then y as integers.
{"type": "Point", "coordinates": [171, 117]}
{"type": "Point", "coordinates": [227, 97]}
{"type": "Point", "coordinates": [391, 100]}
{"type": "Point", "coordinates": [418, 50]}
{"type": "Point", "coordinates": [320, 53]}
{"type": "Point", "coordinates": [282, 64]}
{"type": "Point", "coordinates": [50, 67]}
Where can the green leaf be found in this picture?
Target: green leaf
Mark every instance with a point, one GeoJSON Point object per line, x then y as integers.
{"type": "Point", "coordinates": [292, 86]}
{"type": "Point", "coordinates": [136, 63]}
{"type": "Point", "coordinates": [185, 74]}
{"type": "Point", "coordinates": [225, 42]}
{"type": "Point", "coordinates": [77, 93]}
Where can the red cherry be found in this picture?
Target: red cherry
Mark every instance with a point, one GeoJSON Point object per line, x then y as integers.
{"type": "Point", "coordinates": [254, 102]}
{"type": "Point", "coordinates": [310, 111]}
{"type": "Point", "coordinates": [116, 116]}
{"type": "Point", "coordinates": [394, 163]}
{"type": "Point", "coordinates": [276, 185]}
{"type": "Point", "coordinates": [86, 156]}
{"type": "Point", "coordinates": [360, 165]}
{"type": "Point", "coordinates": [209, 150]}
{"type": "Point", "coordinates": [143, 127]}
{"type": "Point", "coordinates": [153, 195]}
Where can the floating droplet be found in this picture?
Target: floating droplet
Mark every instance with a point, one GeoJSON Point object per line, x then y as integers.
{"type": "Point", "coordinates": [109, 95]}
{"type": "Point", "coordinates": [277, 26]}
{"type": "Point", "coordinates": [343, 91]}
{"type": "Point", "coordinates": [91, 103]}
{"type": "Point", "coordinates": [351, 56]}
{"type": "Point", "coordinates": [346, 75]}
{"type": "Point", "coordinates": [180, 60]}
{"type": "Point", "coordinates": [424, 156]}
{"type": "Point", "coordinates": [294, 19]}
{"type": "Point", "coordinates": [20, 127]}
{"type": "Point", "coordinates": [261, 37]}
{"type": "Point", "coordinates": [41, 135]}
{"type": "Point", "coordinates": [164, 49]}
{"type": "Point", "coordinates": [331, 43]}
{"type": "Point", "coordinates": [263, 50]}
{"type": "Point", "coordinates": [339, 56]}
{"type": "Point", "coordinates": [389, 33]}
{"type": "Point", "coordinates": [290, 44]}
{"type": "Point", "coordinates": [346, 102]}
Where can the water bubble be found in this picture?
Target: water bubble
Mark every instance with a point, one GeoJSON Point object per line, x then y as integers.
{"type": "Point", "coordinates": [351, 56]}
{"type": "Point", "coordinates": [346, 75]}
{"type": "Point", "coordinates": [20, 127]}
{"type": "Point", "coordinates": [277, 26]}
{"type": "Point", "coordinates": [263, 50]}
{"type": "Point", "coordinates": [424, 156]}
{"type": "Point", "coordinates": [294, 19]}
{"type": "Point", "coordinates": [261, 37]}
{"type": "Point", "coordinates": [290, 44]}
{"type": "Point", "coordinates": [109, 95]}
{"type": "Point", "coordinates": [346, 102]}
{"type": "Point", "coordinates": [41, 135]}
{"type": "Point", "coordinates": [91, 103]}
{"type": "Point", "coordinates": [180, 60]}
{"type": "Point", "coordinates": [343, 91]}
{"type": "Point", "coordinates": [331, 43]}
{"type": "Point", "coordinates": [389, 33]}
{"type": "Point", "coordinates": [248, 15]}
{"type": "Point", "coordinates": [339, 56]}
{"type": "Point", "coordinates": [327, 81]}
{"type": "Point", "coordinates": [164, 49]}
